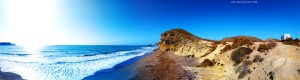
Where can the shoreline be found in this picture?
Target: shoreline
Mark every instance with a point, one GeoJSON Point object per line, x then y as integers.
{"type": "Point", "coordinates": [155, 65]}
{"type": "Point", "coordinates": [121, 71]}
{"type": "Point", "coordinates": [120, 59]}
{"type": "Point", "coordinates": [161, 65]}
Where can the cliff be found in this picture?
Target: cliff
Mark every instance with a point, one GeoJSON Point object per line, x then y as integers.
{"type": "Point", "coordinates": [184, 43]}
{"type": "Point", "coordinates": [183, 56]}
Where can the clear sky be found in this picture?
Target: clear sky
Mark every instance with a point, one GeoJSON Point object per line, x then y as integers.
{"type": "Point", "coordinates": [133, 22]}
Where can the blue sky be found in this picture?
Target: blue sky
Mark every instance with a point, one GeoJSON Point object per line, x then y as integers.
{"type": "Point", "coordinates": [142, 21]}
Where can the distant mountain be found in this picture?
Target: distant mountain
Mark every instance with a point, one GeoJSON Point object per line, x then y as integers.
{"type": "Point", "coordinates": [231, 39]}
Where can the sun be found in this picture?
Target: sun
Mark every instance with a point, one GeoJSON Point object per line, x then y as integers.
{"type": "Point", "coordinates": [31, 23]}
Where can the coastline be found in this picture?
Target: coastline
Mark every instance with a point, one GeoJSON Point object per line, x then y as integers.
{"type": "Point", "coordinates": [183, 56]}
{"type": "Point", "coordinates": [163, 66]}
{"type": "Point", "coordinates": [78, 71]}
{"type": "Point", "coordinates": [124, 70]}
{"type": "Point", "coordinates": [155, 65]}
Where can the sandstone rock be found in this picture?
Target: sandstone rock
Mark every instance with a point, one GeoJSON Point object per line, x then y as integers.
{"type": "Point", "coordinates": [184, 43]}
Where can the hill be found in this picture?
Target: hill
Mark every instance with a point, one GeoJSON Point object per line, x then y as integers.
{"type": "Point", "coordinates": [231, 39]}
{"type": "Point", "coordinates": [183, 56]}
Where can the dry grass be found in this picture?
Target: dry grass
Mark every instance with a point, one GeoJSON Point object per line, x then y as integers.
{"type": "Point", "coordinates": [206, 63]}
{"type": "Point", "coordinates": [220, 42]}
{"type": "Point", "coordinates": [239, 41]}
{"type": "Point", "coordinates": [226, 48]}
{"type": "Point", "coordinates": [292, 41]}
{"type": "Point", "coordinates": [232, 39]}
{"type": "Point", "coordinates": [266, 46]}
{"type": "Point", "coordinates": [272, 40]}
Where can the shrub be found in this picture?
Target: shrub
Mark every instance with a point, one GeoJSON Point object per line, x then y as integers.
{"type": "Point", "coordinates": [297, 39]}
{"type": "Point", "coordinates": [238, 41]}
{"type": "Point", "coordinates": [221, 42]}
{"type": "Point", "coordinates": [272, 40]}
{"type": "Point", "coordinates": [258, 58]}
{"type": "Point", "coordinates": [298, 71]}
{"type": "Point", "coordinates": [206, 63]}
{"type": "Point", "coordinates": [241, 41]}
{"type": "Point", "coordinates": [191, 56]}
{"type": "Point", "coordinates": [290, 41]}
{"type": "Point", "coordinates": [271, 75]}
{"type": "Point", "coordinates": [206, 54]}
{"type": "Point", "coordinates": [213, 47]}
{"type": "Point", "coordinates": [240, 54]}
{"type": "Point", "coordinates": [266, 46]}
{"type": "Point", "coordinates": [226, 48]}
{"type": "Point", "coordinates": [231, 39]}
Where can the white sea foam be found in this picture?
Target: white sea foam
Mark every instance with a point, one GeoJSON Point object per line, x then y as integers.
{"type": "Point", "coordinates": [67, 68]}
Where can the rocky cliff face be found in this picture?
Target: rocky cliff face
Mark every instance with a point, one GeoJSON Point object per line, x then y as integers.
{"type": "Point", "coordinates": [184, 43]}
{"type": "Point", "coordinates": [240, 58]}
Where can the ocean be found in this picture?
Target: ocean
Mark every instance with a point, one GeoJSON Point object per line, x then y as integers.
{"type": "Point", "coordinates": [66, 62]}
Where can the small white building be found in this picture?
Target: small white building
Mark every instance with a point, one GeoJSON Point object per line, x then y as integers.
{"type": "Point", "coordinates": [285, 36]}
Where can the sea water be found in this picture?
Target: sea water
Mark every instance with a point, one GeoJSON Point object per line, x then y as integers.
{"type": "Point", "coordinates": [66, 62]}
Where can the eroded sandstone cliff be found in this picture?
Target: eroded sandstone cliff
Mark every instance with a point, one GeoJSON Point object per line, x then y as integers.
{"type": "Point", "coordinates": [183, 56]}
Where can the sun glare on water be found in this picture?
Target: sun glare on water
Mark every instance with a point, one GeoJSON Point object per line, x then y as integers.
{"type": "Point", "coordinates": [31, 23]}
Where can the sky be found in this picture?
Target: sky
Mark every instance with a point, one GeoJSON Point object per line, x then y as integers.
{"type": "Point", "coordinates": [139, 22]}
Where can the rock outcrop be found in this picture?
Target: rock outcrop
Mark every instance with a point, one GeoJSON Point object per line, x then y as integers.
{"type": "Point", "coordinates": [9, 76]}
{"type": "Point", "coordinates": [184, 43]}
{"type": "Point", "coordinates": [183, 56]}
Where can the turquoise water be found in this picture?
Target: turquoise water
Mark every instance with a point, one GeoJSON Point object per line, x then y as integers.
{"type": "Point", "coordinates": [66, 62]}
